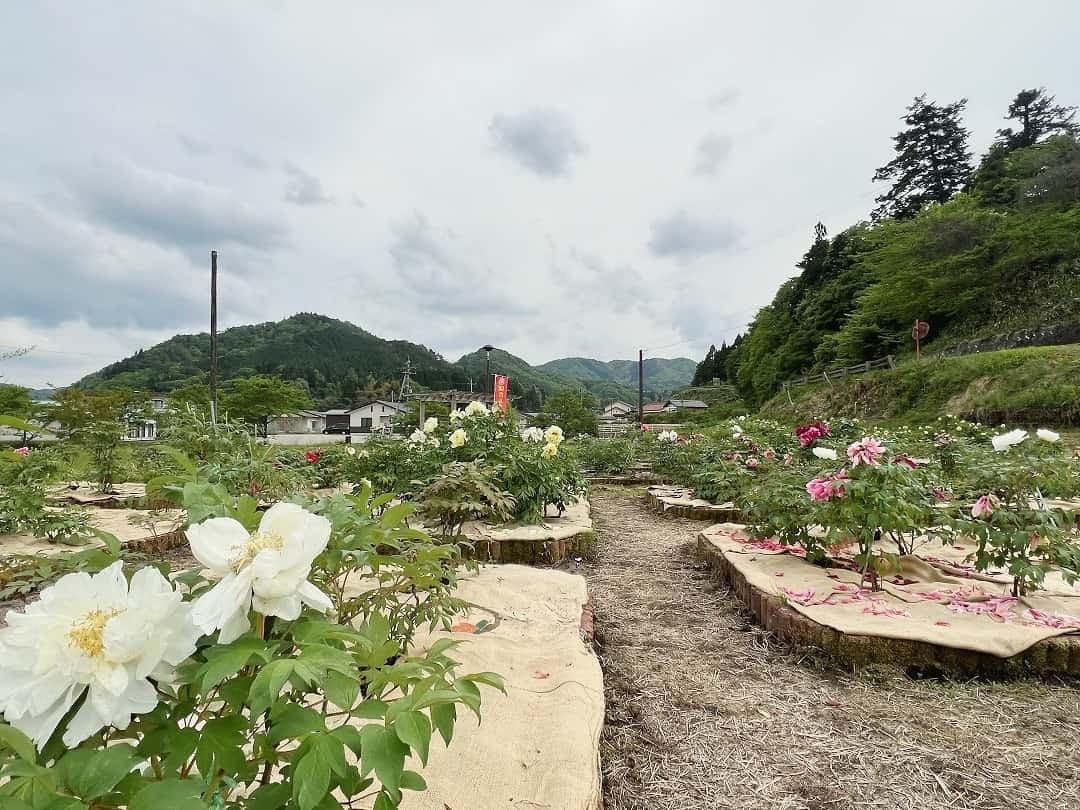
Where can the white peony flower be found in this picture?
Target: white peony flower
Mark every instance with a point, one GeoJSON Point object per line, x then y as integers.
{"type": "Point", "coordinates": [458, 438]}
{"type": "Point", "coordinates": [825, 452]}
{"type": "Point", "coordinates": [434, 442]}
{"type": "Point", "coordinates": [350, 450]}
{"type": "Point", "coordinates": [266, 570]}
{"type": "Point", "coordinates": [1048, 435]}
{"type": "Point", "coordinates": [667, 436]}
{"type": "Point", "coordinates": [431, 424]}
{"type": "Point", "coordinates": [95, 634]}
{"type": "Point", "coordinates": [554, 435]}
{"type": "Point", "coordinates": [533, 434]}
{"type": "Point", "coordinates": [476, 408]}
{"type": "Point", "coordinates": [456, 415]}
{"type": "Point", "coordinates": [1007, 440]}
{"type": "Point", "coordinates": [366, 482]}
{"type": "Point", "coordinates": [417, 437]}
{"type": "Point", "coordinates": [550, 449]}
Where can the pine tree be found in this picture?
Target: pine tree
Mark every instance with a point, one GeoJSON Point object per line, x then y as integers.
{"type": "Point", "coordinates": [932, 160]}
{"type": "Point", "coordinates": [1039, 116]}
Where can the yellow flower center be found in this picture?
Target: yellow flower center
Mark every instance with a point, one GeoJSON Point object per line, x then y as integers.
{"type": "Point", "coordinates": [88, 634]}
{"type": "Point", "coordinates": [260, 541]}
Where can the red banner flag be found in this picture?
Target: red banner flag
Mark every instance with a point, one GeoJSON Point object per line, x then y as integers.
{"type": "Point", "coordinates": [502, 392]}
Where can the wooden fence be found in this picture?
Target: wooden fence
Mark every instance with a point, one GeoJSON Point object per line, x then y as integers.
{"type": "Point", "coordinates": [840, 373]}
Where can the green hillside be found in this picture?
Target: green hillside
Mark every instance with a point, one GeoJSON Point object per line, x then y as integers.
{"type": "Point", "coordinates": [662, 375]}
{"type": "Point", "coordinates": [1037, 387]}
{"type": "Point", "coordinates": [339, 362]}
{"type": "Point", "coordinates": [986, 252]}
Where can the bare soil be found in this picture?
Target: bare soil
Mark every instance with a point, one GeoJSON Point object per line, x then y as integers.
{"type": "Point", "coordinates": [706, 710]}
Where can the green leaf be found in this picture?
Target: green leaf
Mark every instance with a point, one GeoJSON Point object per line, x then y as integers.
{"type": "Point", "coordinates": [269, 797]}
{"type": "Point", "coordinates": [342, 690]}
{"type": "Point", "coordinates": [17, 742]}
{"type": "Point", "coordinates": [174, 794]}
{"type": "Point", "coordinates": [443, 716]}
{"type": "Point", "coordinates": [220, 746]}
{"type": "Point", "coordinates": [295, 722]}
{"type": "Point", "coordinates": [414, 729]}
{"type": "Point", "coordinates": [224, 662]}
{"type": "Point", "coordinates": [321, 756]}
{"type": "Point", "coordinates": [89, 773]}
{"type": "Point", "coordinates": [382, 752]}
{"type": "Point", "coordinates": [64, 803]}
{"type": "Point", "coordinates": [411, 780]}
{"type": "Point", "coordinates": [268, 683]}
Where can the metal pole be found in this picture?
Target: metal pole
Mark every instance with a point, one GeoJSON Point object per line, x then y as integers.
{"type": "Point", "coordinates": [213, 337]}
{"type": "Point", "coordinates": [641, 386]}
{"type": "Point", "coordinates": [487, 368]}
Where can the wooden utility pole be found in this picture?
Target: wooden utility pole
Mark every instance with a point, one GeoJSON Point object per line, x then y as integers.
{"type": "Point", "coordinates": [641, 386]}
{"type": "Point", "coordinates": [213, 337]}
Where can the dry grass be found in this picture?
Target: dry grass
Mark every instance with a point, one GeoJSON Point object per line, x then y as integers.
{"type": "Point", "coordinates": [705, 710]}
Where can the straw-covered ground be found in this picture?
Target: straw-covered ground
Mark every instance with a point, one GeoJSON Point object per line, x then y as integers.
{"type": "Point", "coordinates": [705, 710]}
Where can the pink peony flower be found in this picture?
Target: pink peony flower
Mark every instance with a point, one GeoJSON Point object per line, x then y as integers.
{"type": "Point", "coordinates": [808, 434]}
{"type": "Point", "coordinates": [752, 463]}
{"type": "Point", "coordinates": [984, 506]}
{"type": "Point", "coordinates": [23, 451]}
{"type": "Point", "coordinates": [939, 494]}
{"type": "Point", "coordinates": [825, 489]}
{"type": "Point", "coordinates": [313, 456]}
{"type": "Point", "coordinates": [867, 451]}
{"type": "Point", "coordinates": [788, 459]}
{"type": "Point", "coordinates": [770, 454]}
{"type": "Point", "coordinates": [906, 460]}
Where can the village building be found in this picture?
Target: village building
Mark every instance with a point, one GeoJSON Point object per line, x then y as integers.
{"type": "Point", "coordinates": [303, 421]}
{"type": "Point", "coordinates": [617, 409]}
{"type": "Point", "coordinates": [378, 415]}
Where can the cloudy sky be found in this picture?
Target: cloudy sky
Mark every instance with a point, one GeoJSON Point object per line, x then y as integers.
{"type": "Point", "coordinates": [557, 178]}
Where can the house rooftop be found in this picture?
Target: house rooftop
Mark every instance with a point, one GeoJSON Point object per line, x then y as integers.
{"type": "Point", "coordinates": [687, 403]}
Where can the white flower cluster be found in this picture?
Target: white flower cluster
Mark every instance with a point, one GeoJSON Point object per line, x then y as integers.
{"type": "Point", "coordinates": [532, 434]}
{"type": "Point", "coordinates": [667, 436]}
{"type": "Point", "coordinates": [553, 437]}
{"type": "Point", "coordinates": [825, 452]}
{"type": "Point", "coordinates": [458, 438]}
{"type": "Point", "coordinates": [1004, 441]}
{"type": "Point", "coordinates": [101, 636]}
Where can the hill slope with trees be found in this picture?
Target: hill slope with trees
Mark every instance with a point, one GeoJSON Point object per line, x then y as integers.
{"type": "Point", "coordinates": [973, 251]}
{"type": "Point", "coordinates": [662, 374]}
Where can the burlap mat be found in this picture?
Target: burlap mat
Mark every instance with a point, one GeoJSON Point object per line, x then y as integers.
{"type": "Point", "coordinates": [935, 596]}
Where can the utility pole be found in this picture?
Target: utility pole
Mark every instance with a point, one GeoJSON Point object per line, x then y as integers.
{"type": "Point", "coordinates": [213, 337]}
{"type": "Point", "coordinates": [641, 386]}
{"type": "Point", "coordinates": [487, 367]}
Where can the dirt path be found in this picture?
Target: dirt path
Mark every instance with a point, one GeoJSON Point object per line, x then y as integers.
{"type": "Point", "coordinates": [707, 711]}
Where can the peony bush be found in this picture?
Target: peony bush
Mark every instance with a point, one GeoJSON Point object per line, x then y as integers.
{"type": "Point", "coordinates": [268, 678]}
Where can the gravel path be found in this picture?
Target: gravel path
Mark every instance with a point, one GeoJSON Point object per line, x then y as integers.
{"type": "Point", "coordinates": [705, 710]}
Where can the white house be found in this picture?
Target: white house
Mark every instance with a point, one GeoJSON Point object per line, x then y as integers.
{"type": "Point", "coordinates": [303, 421]}
{"type": "Point", "coordinates": [377, 415]}
{"type": "Point", "coordinates": [617, 408]}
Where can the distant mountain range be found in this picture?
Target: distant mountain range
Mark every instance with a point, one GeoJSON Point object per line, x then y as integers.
{"type": "Point", "coordinates": [342, 364]}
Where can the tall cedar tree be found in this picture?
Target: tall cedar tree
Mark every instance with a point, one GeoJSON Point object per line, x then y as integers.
{"type": "Point", "coordinates": [932, 160]}
{"type": "Point", "coordinates": [1039, 117]}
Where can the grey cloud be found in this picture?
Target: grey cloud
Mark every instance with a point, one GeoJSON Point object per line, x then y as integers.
{"type": "Point", "coordinates": [724, 98]}
{"type": "Point", "coordinates": [685, 237]}
{"type": "Point", "coordinates": [358, 201]}
{"type": "Point", "coordinates": [712, 152]}
{"type": "Point", "coordinates": [194, 146]}
{"type": "Point", "coordinates": [621, 286]}
{"type": "Point", "coordinates": [59, 269]}
{"type": "Point", "coordinates": [249, 160]}
{"type": "Point", "coordinates": [541, 140]}
{"type": "Point", "coordinates": [304, 188]}
{"type": "Point", "coordinates": [436, 272]}
{"type": "Point", "coordinates": [171, 210]}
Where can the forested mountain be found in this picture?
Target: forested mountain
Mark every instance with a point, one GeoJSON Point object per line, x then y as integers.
{"type": "Point", "coordinates": [999, 255]}
{"type": "Point", "coordinates": [339, 362]}
{"type": "Point", "coordinates": [662, 375]}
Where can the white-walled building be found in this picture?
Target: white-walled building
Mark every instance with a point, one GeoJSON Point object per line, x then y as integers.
{"type": "Point", "coordinates": [304, 421]}
{"type": "Point", "coordinates": [377, 415]}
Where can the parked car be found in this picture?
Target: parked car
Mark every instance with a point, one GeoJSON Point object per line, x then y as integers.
{"type": "Point", "coordinates": [346, 428]}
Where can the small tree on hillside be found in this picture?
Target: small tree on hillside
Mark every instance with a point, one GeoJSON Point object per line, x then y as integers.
{"type": "Point", "coordinates": [1039, 117]}
{"type": "Point", "coordinates": [258, 399]}
{"type": "Point", "coordinates": [932, 160]}
{"type": "Point", "coordinates": [573, 411]}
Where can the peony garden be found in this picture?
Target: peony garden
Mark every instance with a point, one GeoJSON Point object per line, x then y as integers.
{"type": "Point", "coordinates": [433, 619]}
